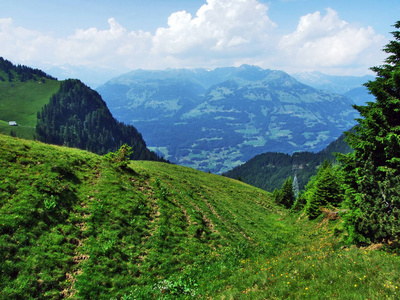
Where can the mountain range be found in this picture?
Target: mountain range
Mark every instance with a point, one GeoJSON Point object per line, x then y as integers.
{"type": "Point", "coordinates": [214, 120]}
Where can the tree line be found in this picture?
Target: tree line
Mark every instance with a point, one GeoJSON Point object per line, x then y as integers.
{"type": "Point", "coordinates": [21, 73]}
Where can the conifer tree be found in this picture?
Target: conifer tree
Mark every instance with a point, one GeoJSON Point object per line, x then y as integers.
{"type": "Point", "coordinates": [372, 170]}
{"type": "Point", "coordinates": [277, 196]}
{"type": "Point", "coordinates": [324, 189]}
{"type": "Point", "coordinates": [300, 202]}
{"type": "Point", "coordinates": [285, 196]}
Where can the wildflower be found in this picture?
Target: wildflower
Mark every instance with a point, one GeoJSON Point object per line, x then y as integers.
{"type": "Point", "coordinates": [306, 288]}
{"type": "Point", "coordinates": [355, 285]}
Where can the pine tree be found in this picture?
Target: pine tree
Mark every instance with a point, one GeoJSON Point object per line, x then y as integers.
{"type": "Point", "coordinates": [285, 196]}
{"type": "Point", "coordinates": [372, 170]}
{"type": "Point", "coordinates": [300, 202]}
{"type": "Point", "coordinates": [324, 190]}
{"type": "Point", "coordinates": [277, 196]}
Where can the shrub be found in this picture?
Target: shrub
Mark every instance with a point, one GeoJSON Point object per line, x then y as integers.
{"type": "Point", "coordinates": [121, 157]}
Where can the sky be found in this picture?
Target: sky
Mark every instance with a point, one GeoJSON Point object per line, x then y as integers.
{"type": "Point", "coordinates": [338, 37]}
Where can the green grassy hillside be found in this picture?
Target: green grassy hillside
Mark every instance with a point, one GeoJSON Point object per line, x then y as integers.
{"type": "Point", "coordinates": [21, 101]}
{"type": "Point", "coordinates": [76, 225]}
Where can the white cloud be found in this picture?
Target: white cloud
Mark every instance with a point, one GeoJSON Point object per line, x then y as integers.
{"type": "Point", "coordinates": [110, 47]}
{"type": "Point", "coordinates": [327, 41]}
{"type": "Point", "coordinates": [221, 30]}
{"type": "Point", "coordinates": [222, 33]}
{"type": "Point", "coordinates": [22, 44]}
{"type": "Point", "coordinates": [219, 25]}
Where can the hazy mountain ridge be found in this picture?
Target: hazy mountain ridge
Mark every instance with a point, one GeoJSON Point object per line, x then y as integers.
{"type": "Point", "coordinates": [93, 76]}
{"type": "Point", "coordinates": [215, 120]}
{"type": "Point", "coordinates": [349, 86]}
{"type": "Point", "coordinates": [333, 83]}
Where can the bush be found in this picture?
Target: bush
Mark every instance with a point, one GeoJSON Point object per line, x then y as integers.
{"type": "Point", "coordinates": [121, 157]}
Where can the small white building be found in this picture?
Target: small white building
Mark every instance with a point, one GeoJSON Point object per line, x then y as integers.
{"type": "Point", "coordinates": [12, 123]}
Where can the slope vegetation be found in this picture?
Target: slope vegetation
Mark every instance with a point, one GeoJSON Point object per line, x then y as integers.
{"type": "Point", "coordinates": [77, 225]}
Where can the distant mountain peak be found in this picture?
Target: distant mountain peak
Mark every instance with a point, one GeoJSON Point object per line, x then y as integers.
{"type": "Point", "coordinates": [253, 67]}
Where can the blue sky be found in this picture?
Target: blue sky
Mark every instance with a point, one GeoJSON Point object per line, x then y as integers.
{"type": "Point", "coordinates": [341, 37]}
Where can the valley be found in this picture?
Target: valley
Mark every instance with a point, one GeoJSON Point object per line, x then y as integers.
{"type": "Point", "coordinates": [216, 120]}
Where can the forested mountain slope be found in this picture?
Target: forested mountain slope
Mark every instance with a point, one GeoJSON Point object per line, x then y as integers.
{"type": "Point", "coordinates": [269, 170]}
{"type": "Point", "coordinates": [76, 116]}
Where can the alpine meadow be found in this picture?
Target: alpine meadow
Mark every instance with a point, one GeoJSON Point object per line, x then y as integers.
{"type": "Point", "coordinates": [89, 211]}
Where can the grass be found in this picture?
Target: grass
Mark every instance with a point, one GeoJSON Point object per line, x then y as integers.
{"type": "Point", "coordinates": [75, 225]}
{"type": "Point", "coordinates": [20, 102]}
